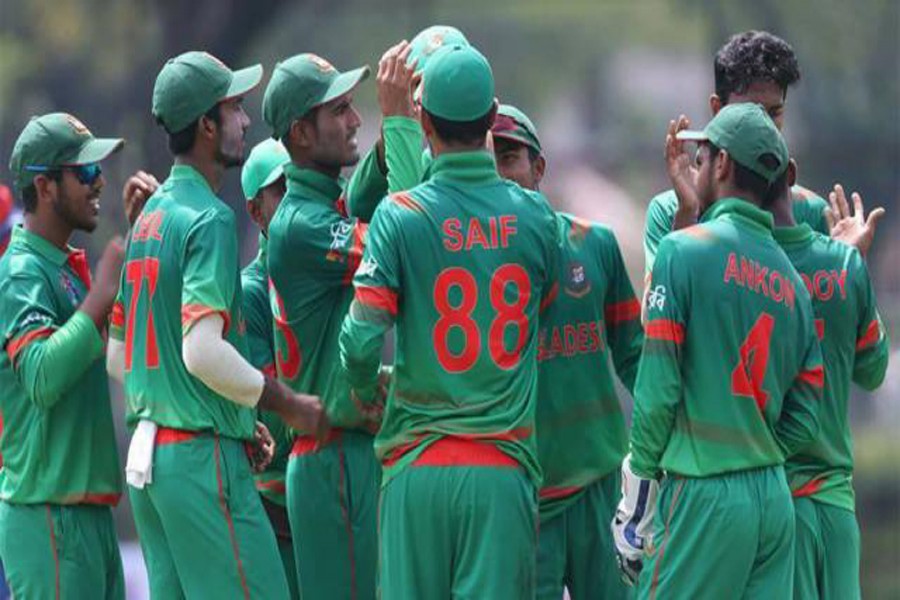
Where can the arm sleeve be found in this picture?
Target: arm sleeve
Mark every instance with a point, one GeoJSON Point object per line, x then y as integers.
{"type": "Point", "coordinates": [209, 275]}
{"type": "Point", "coordinates": [374, 308]}
{"type": "Point", "coordinates": [258, 316]}
{"type": "Point", "coordinates": [799, 421]}
{"type": "Point", "coordinates": [872, 345]}
{"type": "Point", "coordinates": [115, 359]}
{"type": "Point", "coordinates": [657, 226]}
{"type": "Point", "coordinates": [621, 314]}
{"type": "Point", "coordinates": [658, 389]}
{"type": "Point", "coordinates": [367, 186]}
{"type": "Point", "coordinates": [46, 358]}
{"type": "Point", "coordinates": [211, 359]}
{"type": "Point", "coordinates": [403, 141]}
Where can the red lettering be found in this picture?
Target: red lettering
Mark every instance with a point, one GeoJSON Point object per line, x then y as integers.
{"type": "Point", "coordinates": [774, 278]}
{"type": "Point", "coordinates": [731, 270]}
{"type": "Point", "coordinates": [507, 229]}
{"type": "Point", "coordinates": [556, 345]}
{"type": "Point", "coordinates": [746, 272]}
{"type": "Point", "coordinates": [808, 283]}
{"type": "Point", "coordinates": [823, 294]}
{"type": "Point", "coordinates": [571, 337]}
{"type": "Point", "coordinates": [147, 226]}
{"type": "Point", "coordinates": [583, 347]}
{"type": "Point", "coordinates": [493, 223]}
{"type": "Point", "coordinates": [596, 340]}
{"type": "Point", "coordinates": [841, 279]}
{"type": "Point", "coordinates": [476, 235]}
{"type": "Point", "coordinates": [759, 281]}
{"type": "Point", "coordinates": [453, 239]}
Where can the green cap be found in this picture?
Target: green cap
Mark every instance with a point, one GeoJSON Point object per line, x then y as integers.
{"type": "Point", "coordinates": [263, 167]}
{"type": "Point", "coordinates": [192, 83]}
{"type": "Point", "coordinates": [301, 83]}
{"type": "Point", "coordinates": [431, 39]}
{"type": "Point", "coordinates": [512, 124]}
{"type": "Point", "coordinates": [748, 134]}
{"type": "Point", "coordinates": [458, 84]}
{"type": "Point", "coordinates": [56, 140]}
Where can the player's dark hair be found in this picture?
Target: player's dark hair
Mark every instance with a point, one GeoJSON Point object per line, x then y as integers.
{"type": "Point", "coordinates": [754, 56]}
{"type": "Point", "coordinates": [752, 182]}
{"type": "Point", "coordinates": [468, 133]}
{"type": "Point", "coordinates": [182, 142]}
{"type": "Point", "coordinates": [29, 194]}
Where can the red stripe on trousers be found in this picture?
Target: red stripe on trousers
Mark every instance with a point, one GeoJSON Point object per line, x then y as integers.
{"type": "Point", "coordinates": [53, 547]}
{"type": "Point", "coordinates": [654, 586]}
{"type": "Point", "coordinates": [454, 451]}
{"type": "Point", "coordinates": [231, 533]}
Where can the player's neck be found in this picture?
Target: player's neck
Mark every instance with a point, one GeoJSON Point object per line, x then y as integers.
{"type": "Point", "coordinates": [211, 170]}
{"type": "Point", "coordinates": [783, 215]}
{"type": "Point", "coordinates": [331, 171]}
{"type": "Point", "coordinates": [53, 230]}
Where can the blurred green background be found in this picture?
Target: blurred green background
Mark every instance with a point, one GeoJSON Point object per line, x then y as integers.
{"type": "Point", "coordinates": [600, 79]}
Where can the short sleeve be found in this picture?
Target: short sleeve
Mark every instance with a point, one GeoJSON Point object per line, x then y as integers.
{"type": "Point", "coordinates": [209, 272]}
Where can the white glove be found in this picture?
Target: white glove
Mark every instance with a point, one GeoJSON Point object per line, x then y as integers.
{"type": "Point", "coordinates": [139, 466]}
{"type": "Point", "coordinates": [632, 527]}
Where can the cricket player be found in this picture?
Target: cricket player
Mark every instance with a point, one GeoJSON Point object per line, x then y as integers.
{"type": "Point", "coordinates": [263, 184]}
{"type": "Point", "coordinates": [191, 396]}
{"type": "Point", "coordinates": [60, 474]}
{"type": "Point", "coordinates": [730, 383]}
{"type": "Point", "coordinates": [855, 348]}
{"type": "Point", "coordinates": [314, 249]}
{"type": "Point", "coordinates": [462, 264]}
{"type": "Point", "coordinates": [581, 436]}
{"type": "Point", "coordinates": [753, 66]}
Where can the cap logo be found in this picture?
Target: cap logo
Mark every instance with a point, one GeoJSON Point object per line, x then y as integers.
{"type": "Point", "coordinates": [436, 41]}
{"type": "Point", "coordinates": [79, 127]}
{"type": "Point", "coordinates": [323, 65]}
{"type": "Point", "coordinates": [215, 60]}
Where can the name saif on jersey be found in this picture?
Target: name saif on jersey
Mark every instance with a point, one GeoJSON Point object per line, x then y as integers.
{"type": "Point", "coordinates": [496, 234]}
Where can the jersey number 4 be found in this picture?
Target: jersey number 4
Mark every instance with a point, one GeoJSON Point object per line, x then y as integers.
{"type": "Point", "coordinates": [747, 377]}
{"type": "Point", "coordinates": [136, 271]}
{"type": "Point", "coordinates": [460, 317]}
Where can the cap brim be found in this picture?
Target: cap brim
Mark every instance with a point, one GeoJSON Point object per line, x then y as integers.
{"type": "Point", "coordinates": [691, 136]}
{"type": "Point", "coordinates": [273, 176]}
{"type": "Point", "coordinates": [519, 139]}
{"type": "Point", "coordinates": [96, 150]}
{"type": "Point", "coordinates": [244, 81]}
{"type": "Point", "coordinates": [344, 83]}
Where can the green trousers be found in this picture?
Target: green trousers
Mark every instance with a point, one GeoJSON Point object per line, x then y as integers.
{"type": "Point", "coordinates": [729, 536]}
{"type": "Point", "coordinates": [279, 519]}
{"type": "Point", "coordinates": [60, 551]}
{"type": "Point", "coordinates": [576, 550]}
{"type": "Point", "coordinates": [458, 531]}
{"type": "Point", "coordinates": [201, 523]}
{"type": "Point", "coordinates": [826, 560]}
{"type": "Point", "coordinates": [332, 496]}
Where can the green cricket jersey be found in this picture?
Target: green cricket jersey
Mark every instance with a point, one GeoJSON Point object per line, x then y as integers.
{"type": "Point", "coordinates": [57, 442]}
{"type": "Point", "coordinates": [854, 347]}
{"type": "Point", "coordinates": [258, 316]}
{"type": "Point", "coordinates": [462, 263]}
{"type": "Point", "coordinates": [314, 250]}
{"type": "Point", "coordinates": [595, 319]}
{"type": "Point", "coordinates": [731, 374]}
{"type": "Point", "coordinates": [181, 265]}
{"type": "Point", "coordinates": [808, 208]}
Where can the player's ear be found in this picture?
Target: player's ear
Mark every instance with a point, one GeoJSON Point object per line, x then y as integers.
{"type": "Point", "coordinates": [715, 104]}
{"type": "Point", "coordinates": [427, 126]}
{"type": "Point", "coordinates": [792, 173]}
{"type": "Point", "coordinates": [723, 166]}
{"type": "Point", "coordinates": [254, 209]}
{"type": "Point", "coordinates": [45, 187]}
{"type": "Point", "coordinates": [207, 128]}
{"type": "Point", "coordinates": [538, 167]}
{"type": "Point", "coordinates": [303, 133]}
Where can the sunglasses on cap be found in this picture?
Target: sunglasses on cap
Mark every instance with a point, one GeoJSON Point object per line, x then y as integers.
{"type": "Point", "coordinates": [86, 174]}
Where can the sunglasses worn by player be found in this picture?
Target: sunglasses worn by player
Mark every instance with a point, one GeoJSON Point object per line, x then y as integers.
{"type": "Point", "coordinates": [86, 174]}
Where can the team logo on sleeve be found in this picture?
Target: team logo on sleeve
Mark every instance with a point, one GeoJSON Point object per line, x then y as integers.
{"type": "Point", "coordinates": [656, 298]}
{"type": "Point", "coordinates": [340, 236]}
{"type": "Point", "coordinates": [367, 267]}
{"type": "Point", "coordinates": [69, 288]}
{"type": "Point", "coordinates": [577, 284]}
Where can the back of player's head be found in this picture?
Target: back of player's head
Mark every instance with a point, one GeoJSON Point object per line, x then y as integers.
{"type": "Point", "coordinates": [753, 56]}
{"type": "Point", "coordinates": [458, 94]}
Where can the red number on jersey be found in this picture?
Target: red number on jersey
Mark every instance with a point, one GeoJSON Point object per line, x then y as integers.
{"type": "Point", "coordinates": [135, 273]}
{"type": "Point", "coordinates": [288, 365]}
{"type": "Point", "coordinates": [747, 377]}
{"type": "Point", "coordinates": [460, 316]}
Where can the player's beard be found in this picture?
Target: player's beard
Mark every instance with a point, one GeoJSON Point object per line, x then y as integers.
{"type": "Point", "coordinates": [229, 158]}
{"type": "Point", "coordinates": [76, 214]}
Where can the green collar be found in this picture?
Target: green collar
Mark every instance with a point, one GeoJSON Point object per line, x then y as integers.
{"type": "Point", "coordinates": [41, 246]}
{"type": "Point", "coordinates": [312, 185]}
{"type": "Point", "coordinates": [465, 167]}
{"type": "Point", "coordinates": [263, 248]}
{"type": "Point", "coordinates": [744, 211]}
{"type": "Point", "coordinates": [189, 173]}
{"type": "Point", "coordinates": [796, 235]}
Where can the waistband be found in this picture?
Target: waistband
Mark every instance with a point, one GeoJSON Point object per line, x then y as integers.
{"type": "Point", "coordinates": [454, 451]}
{"type": "Point", "coordinates": [307, 444]}
{"type": "Point", "coordinates": [169, 435]}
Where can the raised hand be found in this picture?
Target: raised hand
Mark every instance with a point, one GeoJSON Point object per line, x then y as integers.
{"type": "Point", "coordinates": [138, 188]}
{"type": "Point", "coordinates": [396, 81]}
{"type": "Point", "coordinates": [105, 285]}
{"type": "Point", "coordinates": [682, 174]}
{"type": "Point", "coordinates": [852, 228]}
